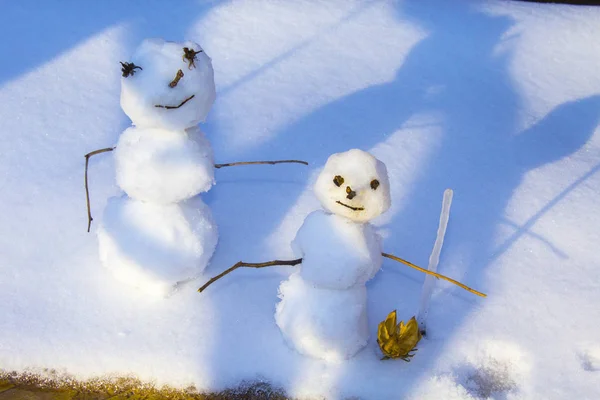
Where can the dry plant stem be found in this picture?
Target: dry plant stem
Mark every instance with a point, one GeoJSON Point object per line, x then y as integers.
{"type": "Point", "coordinates": [440, 276]}
{"type": "Point", "coordinates": [93, 153]}
{"type": "Point", "coordinates": [250, 265]}
{"type": "Point", "coordinates": [87, 191]}
{"type": "Point", "coordinates": [299, 260]}
{"type": "Point", "coordinates": [260, 162]}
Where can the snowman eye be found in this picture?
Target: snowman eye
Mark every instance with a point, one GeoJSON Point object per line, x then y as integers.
{"type": "Point", "coordinates": [338, 180]}
{"type": "Point", "coordinates": [189, 56]}
{"type": "Point", "coordinates": [128, 68]}
{"type": "Point", "coordinates": [374, 184]}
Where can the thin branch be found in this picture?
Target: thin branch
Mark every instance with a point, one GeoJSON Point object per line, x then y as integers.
{"type": "Point", "coordinates": [350, 207]}
{"type": "Point", "coordinates": [93, 153]}
{"type": "Point", "coordinates": [440, 276]}
{"type": "Point", "coordinates": [299, 260]}
{"type": "Point", "coordinates": [173, 107]}
{"type": "Point", "coordinates": [260, 162]}
{"type": "Point", "coordinates": [87, 191]}
{"type": "Point", "coordinates": [250, 265]}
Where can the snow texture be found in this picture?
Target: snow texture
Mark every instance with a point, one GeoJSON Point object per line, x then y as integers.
{"type": "Point", "coordinates": [322, 323]}
{"type": "Point", "coordinates": [149, 87]}
{"type": "Point", "coordinates": [153, 247]}
{"type": "Point", "coordinates": [361, 191]}
{"type": "Point", "coordinates": [336, 252]}
{"type": "Point", "coordinates": [498, 100]}
{"type": "Point", "coordinates": [163, 166]}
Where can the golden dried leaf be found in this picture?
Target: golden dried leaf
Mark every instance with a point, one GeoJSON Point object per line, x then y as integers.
{"type": "Point", "coordinates": [386, 328]}
{"type": "Point", "coordinates": [390, 322]}
{"type": "Point", "coordinates": [397, 341]}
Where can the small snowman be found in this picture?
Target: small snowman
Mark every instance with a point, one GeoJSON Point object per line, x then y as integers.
{"type": "Point", "coordinates": [161, 233]}
{"type": "Point", "coordinates": [323, 308]}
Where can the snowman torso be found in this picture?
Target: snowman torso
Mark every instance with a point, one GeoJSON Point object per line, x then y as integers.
{"type": "Point", "coordinates": [337, 253]}
{"type": "Point", "coordinates": [163, 166]}
{"type": "Point", "coordinates": [323, 308]}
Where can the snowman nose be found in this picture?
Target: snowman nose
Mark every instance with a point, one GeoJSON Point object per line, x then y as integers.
{"type": "Point", "coordinates": [175, 81]}
{"type": "Point", "coordinates": [351, 193]}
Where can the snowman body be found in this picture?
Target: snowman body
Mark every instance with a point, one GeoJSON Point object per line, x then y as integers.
{"type": "Point", "coordinates": [337, 253]}
{"type": "Point", "coordinates": [160, 232]}
{"type": "Point", "coordinates": [323, 307]}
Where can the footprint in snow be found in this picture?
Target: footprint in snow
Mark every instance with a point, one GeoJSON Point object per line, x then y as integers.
{"type": "Point", "coordinates": [494, 372]}
{"type": "Point", "coordinates": [590, 358]}
{"type": "Point", "coordinates": [491, 380]}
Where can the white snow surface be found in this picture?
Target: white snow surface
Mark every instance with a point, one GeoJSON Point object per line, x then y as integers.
{"type": "Point", "coordinates": [498, 100]}
{"type": "Point", "coordinates": [147, 93]}
{"type": "Point", "coordinates": [152, 247]}
{"type": "Point", "coordinates": [163, 166]}
{"type": "Point", "coordinates": [322, 323]}
{"type": "Point", "coordinates": [336, 253]}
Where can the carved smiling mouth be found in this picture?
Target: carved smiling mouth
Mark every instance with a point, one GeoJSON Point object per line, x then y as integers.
{"type": "Point", "coordinates": [173, 107]}
{"type": "Point", "coordinates": [350, 207]}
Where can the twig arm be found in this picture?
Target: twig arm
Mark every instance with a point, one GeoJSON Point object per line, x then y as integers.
{"type": "Point", "coordinates": [104, 150]}
{"type": "Point", "coordinates": [440, 276]}
{"type": "Point", "coordinates": [233, 164]}
{"type": "Point", "coordinates": [250, 265]}
{"type": "Point", "coordinates": [87, 191]}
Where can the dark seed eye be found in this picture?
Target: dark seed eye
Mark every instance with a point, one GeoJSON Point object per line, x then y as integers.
{"type": "Point", "coordinates": [128, 68]}
{"type": "Point", "coordinates": [189, 55]}
{"type": "Point", "coordinates": [338, 180]}
{"type": "Point", "coordinates": [374, 184]}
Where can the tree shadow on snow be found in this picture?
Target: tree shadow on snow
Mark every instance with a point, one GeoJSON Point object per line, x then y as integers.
{"type": "Point", "coordinates": [481, 156]}
{"type": "Point", "coordinates": [36, 32]}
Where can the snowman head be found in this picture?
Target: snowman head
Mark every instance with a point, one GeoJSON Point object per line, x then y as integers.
{"type": "Point", "coordinates": [167, 85]}
{"type": "Point", "coordinates": [354, 184]}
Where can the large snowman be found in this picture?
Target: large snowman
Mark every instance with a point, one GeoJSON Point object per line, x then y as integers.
{"type": "Point", "coordinates": [323, 308]}
{"type": "Point", "coordinates": [161, 233]}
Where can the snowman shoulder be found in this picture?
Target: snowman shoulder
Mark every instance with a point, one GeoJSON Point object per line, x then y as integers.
{"type": "Point", "coordinates": [372, 234]}
{"type": "Point", "coordinates": [202, 144]}
{"type": "Point", "coordinates": [311, 229]}
{"type": "Point", "coordinates": [132, 133]}
{"type": "Point", "coordinates": [314, 224]}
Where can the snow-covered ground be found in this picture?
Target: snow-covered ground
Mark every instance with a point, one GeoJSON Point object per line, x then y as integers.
{"type": "Point", "coordinates": [498, 100]}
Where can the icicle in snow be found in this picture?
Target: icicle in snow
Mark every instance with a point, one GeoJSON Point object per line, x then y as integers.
{"type": "Point", "coordinates": [434, 260]}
